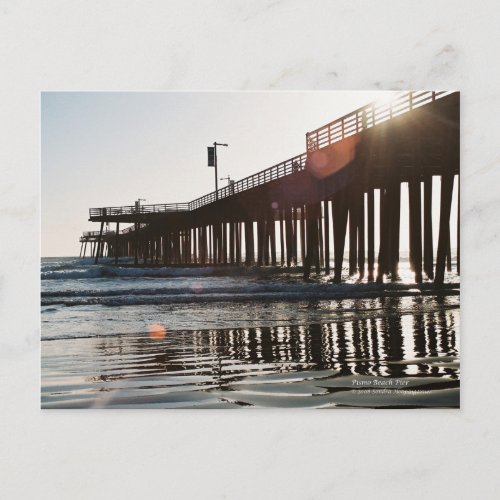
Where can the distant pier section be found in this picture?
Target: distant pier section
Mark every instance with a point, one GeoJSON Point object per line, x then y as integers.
{"type": "Point", "coordinates": [286, 214]}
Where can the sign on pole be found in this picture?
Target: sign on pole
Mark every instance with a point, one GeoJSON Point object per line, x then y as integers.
{"type": "Point", "coordinates": [211, 156]}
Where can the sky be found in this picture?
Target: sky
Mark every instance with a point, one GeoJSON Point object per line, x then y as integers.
{"type": "Point", "coordinates": [111, 148]}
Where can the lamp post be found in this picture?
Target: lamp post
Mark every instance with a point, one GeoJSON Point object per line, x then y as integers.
{"type": "Point", "coordinates": [212, 162]}
{"type": "Point", "coordinates": [138, 204]}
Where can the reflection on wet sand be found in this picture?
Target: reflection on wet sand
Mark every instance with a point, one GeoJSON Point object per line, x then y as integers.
{"type": "Point", "coordinates": [283, 366]}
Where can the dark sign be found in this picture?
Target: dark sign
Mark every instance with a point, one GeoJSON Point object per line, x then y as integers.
{"type": "Point", "coordinates": [211, 156]}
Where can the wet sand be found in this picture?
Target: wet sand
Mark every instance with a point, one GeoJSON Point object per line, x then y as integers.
{"type": "Point", "coordinates": [408, 360]}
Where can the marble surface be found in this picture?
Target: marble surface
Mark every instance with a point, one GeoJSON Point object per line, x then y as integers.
{"type": "Point", "coordinates": [265, 45]}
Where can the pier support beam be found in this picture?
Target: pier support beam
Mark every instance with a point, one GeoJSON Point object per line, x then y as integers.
{"type": "Point", "coordinates": [327, 235]}
{"type": "Point", "coordinates": [394, 215]}
{"type": "Point", "coordinates": [232, 242]}
{"type": "Point", "coordinates": [340, 213]}
{"type": "Point", "coordinates": [99, 243]}
{"type": "Point", "coordinates": [224, 243]}
{"type": "Point", "coordinates": [312, 255]}
{"type": "Point", "coordinates": [383, 238]}
{"type": "Point", "coordinates": [238, 242]}
{"type": "Point", "coordinates": [428, 243]}
{"type": "Point", "coordinates": [260, 241]}
{"type": "Point", "coordinates": [361, 233]}
{"type": "Point", "coordinates": [415, 227]}
{"type": "Point", "coordinates": [353, 232]}
{"type": "Point", "coordinates": [303, 233]}
{"type": "Point", "coordinates": [444, 226]}
{"type": "Point", "coordinates": [117, 236]}
{"type": "Point", "coordinates": [282, 241]}
{"type": "Point", "coordinates": [249, 243]}
{"type": "Point", "coordinates": [370, 200]}
{"type": "Point", "coordinates": [458, 228]}
{"type": "Point", "coordinates": [289, 237]}
{"type": "Point", "coordinates": [295, 237]}
{"type": "Point", "coordinates": [136, 244]}
{"type": "Point", "coordinates": [271, 228]}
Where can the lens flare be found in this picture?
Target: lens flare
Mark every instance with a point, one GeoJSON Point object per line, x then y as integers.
{"type": "Point", "coordinates": [157, 332]}
{"type": "Point", "coordinates": [318, 159]}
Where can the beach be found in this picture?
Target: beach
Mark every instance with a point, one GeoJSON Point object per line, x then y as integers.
{"type": "Point", "coordinates": [227, 337]}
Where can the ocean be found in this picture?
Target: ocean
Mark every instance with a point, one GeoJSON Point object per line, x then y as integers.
{"type": "Point", "coordinates": [247, 337]}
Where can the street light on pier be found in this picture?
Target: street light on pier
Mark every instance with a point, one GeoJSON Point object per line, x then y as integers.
{"type": "Point", "coordinates": [138, 204]}
{"type": "Point", "coordinates": [212, 162]}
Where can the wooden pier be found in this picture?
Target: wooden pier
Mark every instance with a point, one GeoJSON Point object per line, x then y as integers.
{"type": "Point", "coordinates": [285, 214]}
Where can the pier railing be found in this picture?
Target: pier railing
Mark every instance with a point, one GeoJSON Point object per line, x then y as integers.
{"type": "Point", "coordinates": [367, 117]}
{"type": "Point", "coordinates": [108, 232]}
{"type": "Point", "coordinates": [350, 124]}
{"type": "Point", "coordinates": [143, 209]}
{"type": "Point", "coordinates": [287, 167]}
{"type": "Point", "coordinates": [93, 234]}
{"type": "Point", "coordinates": [278, 171]}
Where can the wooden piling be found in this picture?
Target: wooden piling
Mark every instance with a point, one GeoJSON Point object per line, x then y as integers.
{"type": "Point", "coordinates": [289, 237]}
{"type": "Point", "coordinates": [303, 233]}
{"type": "Point", "coordinates": [260, 241]}
{"type": "Point", "coordinates": [340, 215]}
{"type": "Point", "coordinates": [136, 245]}
{"type": "Point", "coordinates": [312, 250]}
{"type": "Point", "coordinates": [458, 230]}
{"type": "Point", "coordinates": [210, 244]}
{"type": "Point", "coordinates": [444, 226]}
{"type": "Point", "coordinates": [361, 233]}
{"type": "Point", "coordinates": [327, 235]}
{"type": "Point", "coordinates": [383, 237]}
{"type": "Point", "coordinates": [370, 200]}
{"type": "Point", "coordinates": [394, 214]}
{"type": "Point", "coordinates": [99, 243]}
{"type": "Point", "coordinates": [295, 237]}
{"type": "Point", "coordinates": [232, 242]}
{"type": "Point", "coordinates": [353, 232]}
{"type": "Point", "coordinates": [428, 243]}
{"type": "Point", "coordinates": [415, 211]}
{"type": "Point", "coordinates": [249, 243]}
{"type": "Point", "coordinates": [321, 255]}
{"type": "Point", "coordinates": [282, 236]}
{"type": "Point", "coordinates": [238, 242]}
{"type": "Point", "coordinates": [224, 243]}
{"type": "Point", "coordinates": [117, 236]}
{"type": "Point", "coordinates": [272, 235]}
